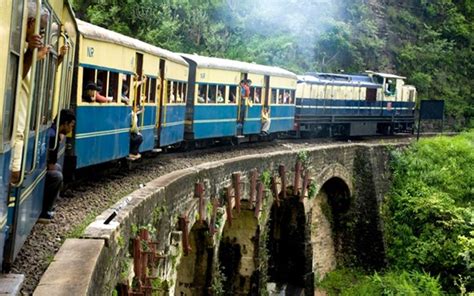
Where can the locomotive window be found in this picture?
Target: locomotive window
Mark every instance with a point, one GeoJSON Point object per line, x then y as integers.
{"type": "Point", "coordinates": [411, 95]}
{"type": "Point", "coordinates": [232, 94]}
{"type": "Point", "coordinates": [212, 94]}
{"type": "Point", "coordinates": [113, 85]}
{"type": "Point", "coordinates": [152, 96]}
{"type": "Point", "coordinates": [274, 96]}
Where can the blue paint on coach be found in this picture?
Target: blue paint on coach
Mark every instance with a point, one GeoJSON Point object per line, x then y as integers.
{"type": "Point", "coordinates": [148, 128]}
{"type": "Point", "coordinates": [102, 133]}
{"type": "Point", "coordinates": [213, 121]}
{"type": "Point", "coordinates": [4, 184]}
{"type": "Point", "coordinates": [282, 118]}
{"type": "Point", "coordinates": [29, 196]}
{"type": "Point", "coordinates": [172, 128]}
{"type": "Point", "coordinates": [253, 120]}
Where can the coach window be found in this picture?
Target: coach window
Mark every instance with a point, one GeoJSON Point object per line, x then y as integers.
{"type": "Point", "coordinates": [202, 93]}
{"type": "Point", "coordinates": [256, 94]}
{"type": "Point", "coordinates": [177, 92]}
{"type": "Point", "coordinates": [220, 99]}
{"type": "Point", "coordinates": [184, 91]}
{"type": "Point", "coordinates": [232, 94]}
{"type": "Point", "coordinates": [102, 77]}
{"type": "Point", "coordinates": [88, 76]}
{"type": "Point", "coordinates": [292, 97]}
{"type": "Point", "coordinates": [169, 92]}
{"type": "Point", "coordinates": [274, 96]}
{"type": "Point", "coordinates": [113, 86]}
{"type": "Point", "coordinates": [212, 94]}
{"type": "Point", "coordinates": [152, 93]}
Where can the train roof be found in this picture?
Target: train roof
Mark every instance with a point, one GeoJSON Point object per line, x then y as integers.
{"type": "Point", "coordinates": [98, 33]}
{"type": "Point", "coordinates": [338, 79]}
{"type": "Point", "coordinates": [232, 65]}
{"type": "Point", "coordinates": [385, 75]}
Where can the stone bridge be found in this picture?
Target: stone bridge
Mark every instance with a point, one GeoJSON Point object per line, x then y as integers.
{"type": "Point", "coordinates": [242, 225]}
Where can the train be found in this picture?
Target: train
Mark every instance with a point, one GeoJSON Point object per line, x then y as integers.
{"type": "Point", "coordinates": [185, 101]}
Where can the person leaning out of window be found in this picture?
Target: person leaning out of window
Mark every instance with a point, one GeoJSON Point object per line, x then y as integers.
{"type": "Point", "coordinates": [91, 94]}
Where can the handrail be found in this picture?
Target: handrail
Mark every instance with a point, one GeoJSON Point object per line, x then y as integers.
{"type": "Point", "coordinates": [142, 121]}
{"type": "Point", "coordinates": [29, 107]}
{"type": "Point", "coordinates": [61, 96]}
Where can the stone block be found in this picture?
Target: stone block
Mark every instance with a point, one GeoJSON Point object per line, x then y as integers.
{"type": "Point", "coordinates": [72, 270]}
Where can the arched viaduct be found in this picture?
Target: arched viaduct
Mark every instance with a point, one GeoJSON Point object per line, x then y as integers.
{"type": "Point", "coordinates": [238, 226]}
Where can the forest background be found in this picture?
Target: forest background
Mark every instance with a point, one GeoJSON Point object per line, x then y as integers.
{"type": "Point", "coordinates": [428, 41]}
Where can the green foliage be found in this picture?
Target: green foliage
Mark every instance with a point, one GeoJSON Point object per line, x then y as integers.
{"type": "Point", "coordinates": [430, 42]}
{"type": "Point", "coordinates": [266, 178]}
{"type": "Point", "coordinates": [218, 279]}
{"type": "Point", "coordinates": [429, 215]}
{"type": "Point", "coordinates": [312, 190]}
{"type": "Point", "coordinates": [353, 282]}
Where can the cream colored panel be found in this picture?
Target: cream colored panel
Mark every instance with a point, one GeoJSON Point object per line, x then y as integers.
{"type": "Point", "coordinates": [176, 71]}
{"type": "Point", "coordinates": [206, 75]}
{"type": "Point", "coordinates": [257, 80]}
{"type": "Point", "coordinates": [282, 82]}
{"type": "Point", "coordinates": [107, 55]}
{"type": "Point", "coordinates": [300, 90]}
{"type": "Point", "coordinates": [151, 65]}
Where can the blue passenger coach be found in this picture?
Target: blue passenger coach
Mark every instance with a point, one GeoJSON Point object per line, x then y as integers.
{"type": "Point", "coordinates": [129, 75]}
{"type": "Point", "coordinates": [28, 107]}
{"type": "Point", "coordinates": [215, 108]}
{"type": "Point", "coordinates": [353, 105]}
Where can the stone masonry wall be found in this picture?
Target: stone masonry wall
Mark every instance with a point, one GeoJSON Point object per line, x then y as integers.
{"type": "Point", "coordinates": [159, 205]}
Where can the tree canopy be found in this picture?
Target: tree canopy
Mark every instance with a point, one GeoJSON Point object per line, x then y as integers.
{"type": "Point", "coordinates": [428, 41]}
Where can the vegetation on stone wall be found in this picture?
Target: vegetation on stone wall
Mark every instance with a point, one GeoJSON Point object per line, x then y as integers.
{"type": "Point", "coordinates": [430, 42]}
{"type": "Point", "coordinates": [429, 215]}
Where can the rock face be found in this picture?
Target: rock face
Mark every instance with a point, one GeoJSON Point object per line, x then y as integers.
{"type": "Point", "coordinates": [272, 233]}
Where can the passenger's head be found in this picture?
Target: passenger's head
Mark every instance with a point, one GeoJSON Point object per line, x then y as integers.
{"type": "Point", "coordinates": [67, 121]}
{"type": "Point", "coordinates": [30, 25]}
{"type": "Point", "coordinates": [249, 82]}
{"type": "Point", "coordinates": [243, 82]}
{"type": "Point", "coordinates": [91, 88]}
{"type": "Point", "coordinates": [124, 89]}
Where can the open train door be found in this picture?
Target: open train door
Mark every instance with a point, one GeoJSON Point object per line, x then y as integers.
{"type": "Point", "coordinates": [160, 103]}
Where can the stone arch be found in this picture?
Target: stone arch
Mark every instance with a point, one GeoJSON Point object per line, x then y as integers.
{"type": "Point", "coordinates": [288, 263]}
{"type": "Point", "coordinates": [330, 213]}
{"type": "Point", "coordinates": [238, 251]}
{"type": "Point", "coordinates": [194, 271]}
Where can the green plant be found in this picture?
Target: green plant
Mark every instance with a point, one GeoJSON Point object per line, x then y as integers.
{"type": "Point", "coordinates": [218, 279]}
{"type": "Point", "coordinates": [266, 178]}
{"type": "Point", "coordinates": [304, 157]}
{"type": "Point", "coordinates": [312, 189]}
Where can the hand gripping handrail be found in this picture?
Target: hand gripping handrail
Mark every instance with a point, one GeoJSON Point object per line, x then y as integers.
{"type": "Point", "coordinates": [61, 97]}
{"type": "Point", "coordinates": [30, 100]}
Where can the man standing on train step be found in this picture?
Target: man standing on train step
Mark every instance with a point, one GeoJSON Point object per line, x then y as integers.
{"type": "Point", "coordinates": [54, 175]}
